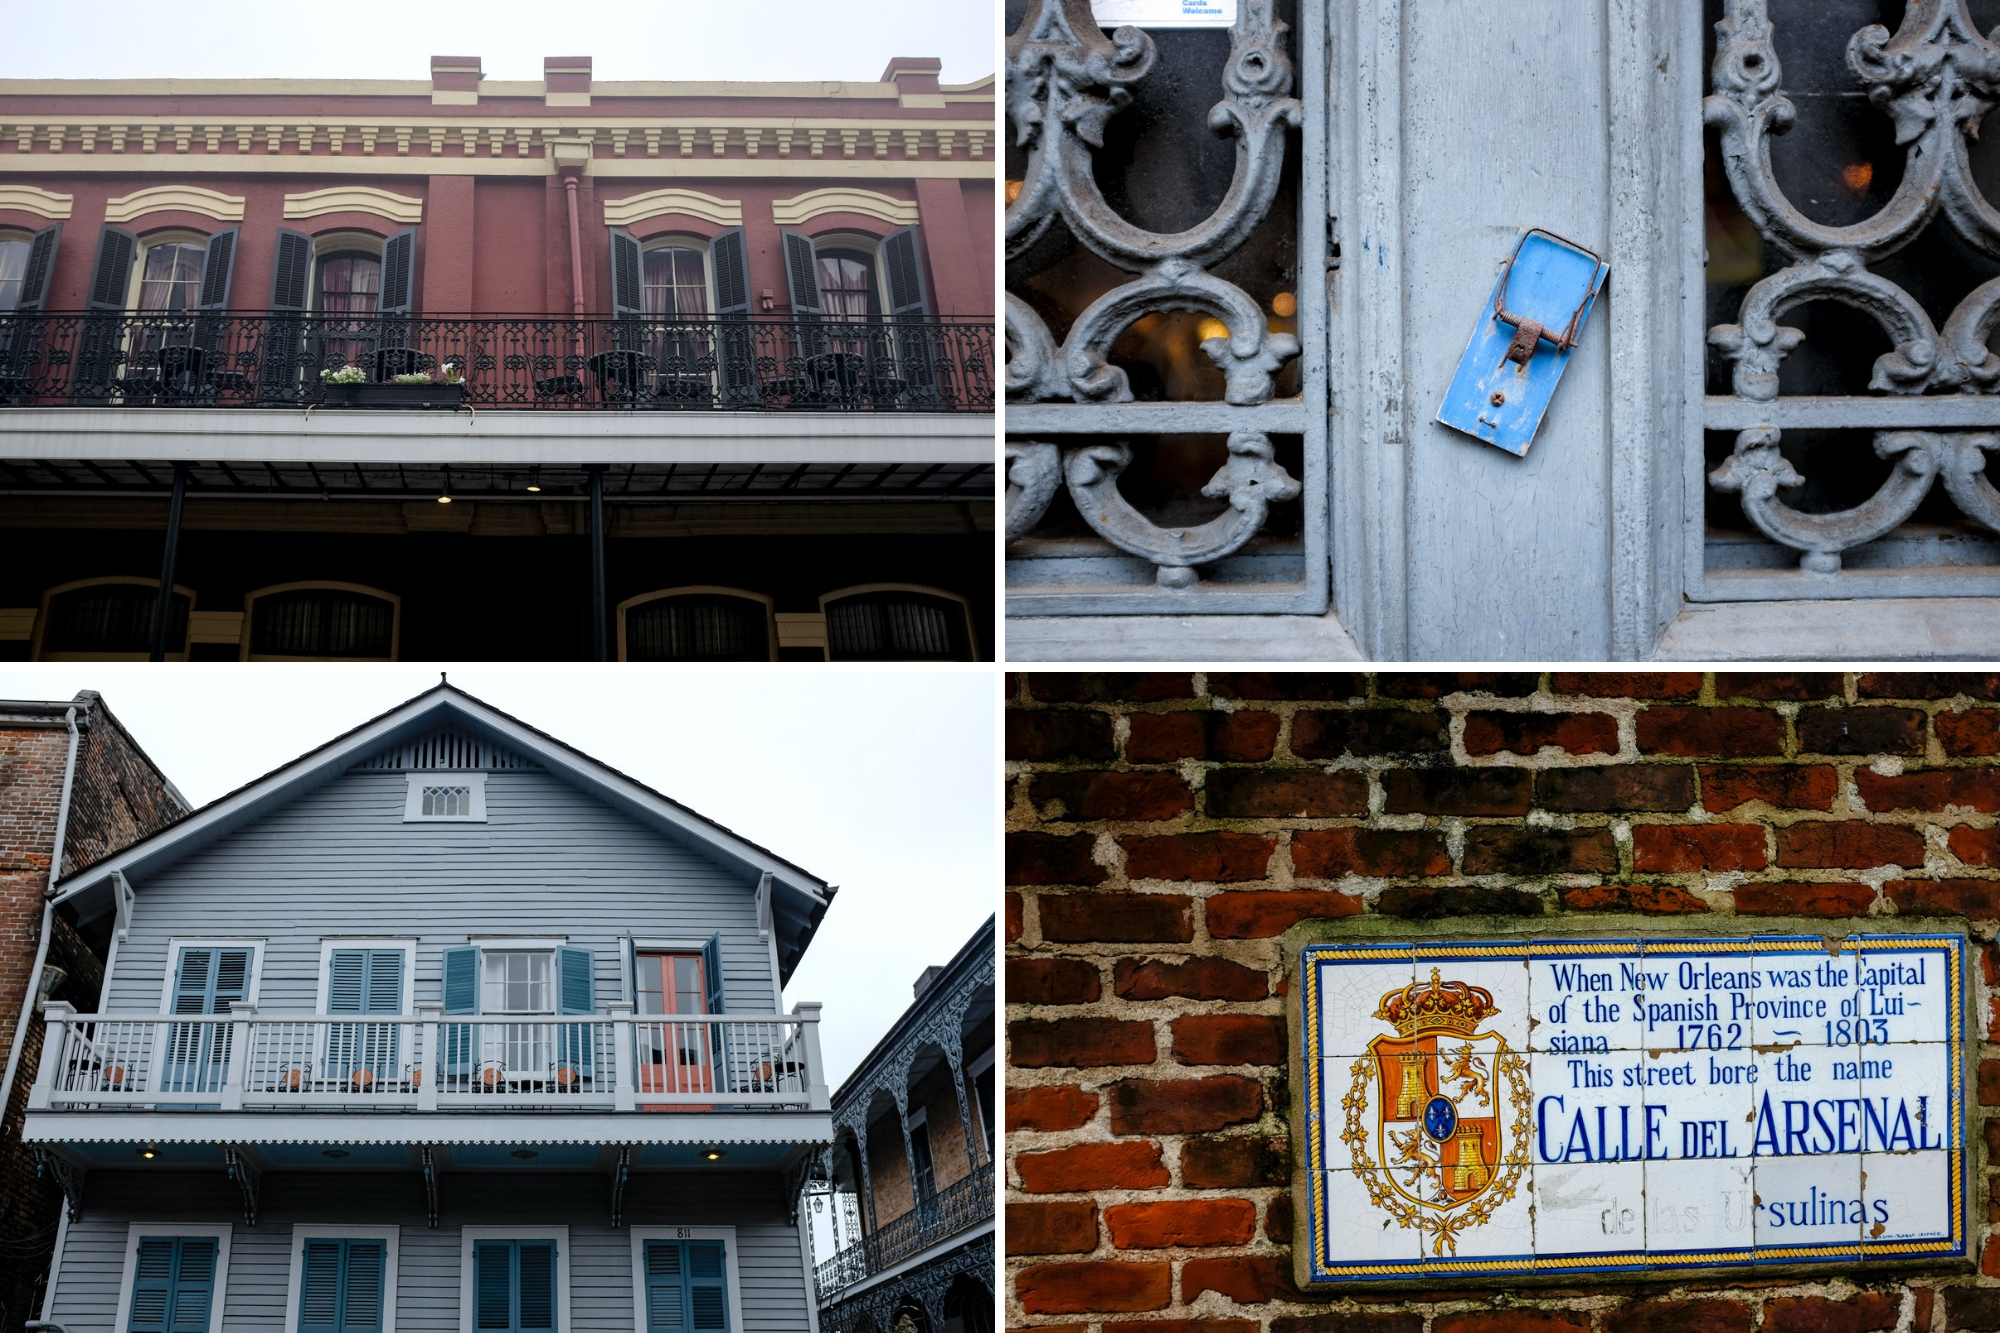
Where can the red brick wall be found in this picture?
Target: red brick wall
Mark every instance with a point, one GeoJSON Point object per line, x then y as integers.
{"type": "Point", "coordinates": [1165, 828]}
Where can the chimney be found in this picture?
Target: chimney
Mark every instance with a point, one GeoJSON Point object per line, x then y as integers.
{"type": "Point", "coordinates": [931, 974]}
{"type": "Point", "coordinates": [566, 81]}
{"type": "Point", "coordinates": [916, 80]}
{"type": "Point", "coordinates": [455, 80]}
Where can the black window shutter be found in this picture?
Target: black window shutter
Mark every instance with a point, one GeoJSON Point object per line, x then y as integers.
{"type": "Point", "coordinates": [41, 263]}
{"type": "Point", "coordinates": [905, 271]}
{"type": "Point", "coordinates": [399, 272]}
{"type": "Point", "coordinates": [215, 269]}
{"type": "Point", "coordinates": [732, 275]}
{"type": "Point", "coordinates": [116, 249]}
{"type": "Point", "coordinates": [291, 271]}
{"type": "Point", "coordinates": [801, 274]}
{"type": "Point", "coordinates": [628, 295]}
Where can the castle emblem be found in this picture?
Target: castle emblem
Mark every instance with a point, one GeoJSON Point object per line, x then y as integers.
{"type": "Point", "coordinates": [1437, 1116]}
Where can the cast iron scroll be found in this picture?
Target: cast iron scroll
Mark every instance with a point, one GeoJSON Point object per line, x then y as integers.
{"type": "Point", "coordinates": [1936, 78]}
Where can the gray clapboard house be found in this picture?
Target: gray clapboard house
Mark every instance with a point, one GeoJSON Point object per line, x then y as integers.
{"type": "Point", "coordinates": [443, 1026]}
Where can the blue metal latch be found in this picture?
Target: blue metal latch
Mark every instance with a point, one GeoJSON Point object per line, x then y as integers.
{"type": "Point", "coordinates": [1516, 357]}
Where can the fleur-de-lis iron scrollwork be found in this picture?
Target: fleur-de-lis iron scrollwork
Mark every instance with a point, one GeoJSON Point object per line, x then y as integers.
{"type": "Point", "coordinates": [1936, 78]}
{"type": "Point", "coordinates": [1065, 79]}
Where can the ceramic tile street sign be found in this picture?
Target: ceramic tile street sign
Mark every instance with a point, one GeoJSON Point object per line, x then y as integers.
{"type": "Point", "coordinates": [1565, 1106]}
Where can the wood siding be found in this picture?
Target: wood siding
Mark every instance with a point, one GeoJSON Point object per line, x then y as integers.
{"type": "Point", "coordinates": [774, 1281]}
{"type": "Point", "coordinates": [340, 861]}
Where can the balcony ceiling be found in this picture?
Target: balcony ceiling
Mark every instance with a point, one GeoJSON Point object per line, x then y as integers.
{"type": "Point", "coordinates": [624, 483]}
{"type": "Point", "coordinates": [314, 1156]}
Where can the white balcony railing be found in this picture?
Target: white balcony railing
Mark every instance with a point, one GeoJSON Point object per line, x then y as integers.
{"type": "Point", "coordinates": [428, 1061]}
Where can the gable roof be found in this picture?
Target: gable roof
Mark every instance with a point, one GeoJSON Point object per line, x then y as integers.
{"type": "Point", "coordinates": [799, 899]}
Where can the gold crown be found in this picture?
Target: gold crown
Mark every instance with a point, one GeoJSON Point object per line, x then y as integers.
{"type": "Point", "coordinates": [1450, 1006]}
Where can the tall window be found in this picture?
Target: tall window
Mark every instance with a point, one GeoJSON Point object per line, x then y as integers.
{"type": "Point", "coordinates": [514, 1286]}
{"type": "Point", "coordinates": [847, 284]}
{"type": "Point", "coordinates": [348, 294]}
{"type": "Point", "coordinates": [676, 283]}
{"type": "Point", "coordinates": [686, 1287]}
{"type": "Point", "coordinates": [206, 981]}
{"type": "Point", "coordinates": [13, 272]}
{"type": "Point", "coordinates": [340, 1290]}
{"type": "Point", "coordinates": [517, 983]}
{"type": "Point", "coordinates": [922, 1171]}
{"type": "Point", "coordinates": [173, 1289]}
{"type": "Point", "coordinates": [169, 286]}
{"type": "Point", "coordinates": [672, 1057]}
{"type": "Point", "coordinates": [670, 983]}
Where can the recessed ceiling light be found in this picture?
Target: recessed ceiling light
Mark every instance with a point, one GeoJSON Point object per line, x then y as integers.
{"type": "Point", "coordinates": [524, 1153]}
{"type": "Point", "coordinates": [150, 1151]}
{"type": "Point", "coordinates": [335, 1153]}
{"type": "Point", "coordinates": [714, 1154]}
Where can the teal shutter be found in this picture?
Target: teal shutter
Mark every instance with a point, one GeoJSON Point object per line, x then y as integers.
{"type": "Point", "coordinates": [286, 359]}
{"type": "Point", "coordinates": [399, 273]}
{"type": "Point", "coordinates": [687, 1289]}
{"type": "Point", "coordinates": [41, 263]}
{"type": "Point", "coordinates": [116, 249]}
{"type": "Point", "coordinates": [903, 266]}
{"type": "Point", "coordinates": [711, 972]}
{"type": "Point", "coordinates": [708, 1298]}
{"type": "Point", "coordinates": [514, 1286]}
{"type": "Point", "coordinates": [802, 274]}
{"type": "Point", "coordinates": [666, 1288]}
{"type": "Point", "coordinates": [628, 294]}
{"type": "Point", "coordinates": [363, 981]}
{"type": "Point", "coordinates": [575, 994]}
{"type": "Point", "coordinates": [461, 996]}
{"type": "Point", "coordinates": [736, 354]}
{"type": "Point", "coordinates": [291, 272]}
{"type": "Point", "coordinates": [215, 270]}
{"type": "Point", "coordinates": [905, 272]}
{"type": "Point", "coordinates": [362, 1290]}
{"type": "Point", "coordinates": [206, 981]}
{"type": "Point", "coordinates": [536, 1303]}
{"type": "Point", "coordinates": [100, 350]}
{"type": "Point", "coordinates": [173, 1290]}
{"type": "Point", "coordinates": [319, 1287]}
{"type": "Point", "coordinates": [493, 1285]}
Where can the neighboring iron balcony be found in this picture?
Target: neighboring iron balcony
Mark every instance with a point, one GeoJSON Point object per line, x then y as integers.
{"type": "Point", "coordinates": [940, 1217]}
{"type": "Point", "coordinates": [893, 364]}
{"type": "Point", "coordinates": [244, 1060]}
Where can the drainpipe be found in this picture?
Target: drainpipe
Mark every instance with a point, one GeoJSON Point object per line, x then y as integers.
{"type": "Point", "coordinates": [48, 917]}
{"type": "Point", "coordinates": [571, 155]}
{"type": "Point", "coordinates": [164, 607]}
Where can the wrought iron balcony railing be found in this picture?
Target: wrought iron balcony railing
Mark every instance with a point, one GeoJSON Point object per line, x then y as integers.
{"type": "Point", "coordinates": [280, 1062]}
{"type": "Point", "coordinates": [937, 1218]}
{"type": "Point", "coordinates": [896, 364]}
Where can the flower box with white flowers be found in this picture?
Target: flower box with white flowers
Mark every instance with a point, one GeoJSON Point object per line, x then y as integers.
{"type": "Point", "coordinates": [350, 387]}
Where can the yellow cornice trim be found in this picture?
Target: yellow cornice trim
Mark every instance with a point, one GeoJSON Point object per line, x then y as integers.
{"type": "Point", "coordinates": [40, 202]}
{"type": "Point", "coordinates": [654, 168]}
{"type": "Point", "coordinates": [693, 203]}
{"type": "Point", "coordinates": [184, 198]}
{"type": "Point", "coordinates": [355, 199]}
{"type": "Point", "coordinates": [843, 199]}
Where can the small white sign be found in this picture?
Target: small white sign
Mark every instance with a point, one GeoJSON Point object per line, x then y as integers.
{"type": "Point", "coordinates": [1165, 13]}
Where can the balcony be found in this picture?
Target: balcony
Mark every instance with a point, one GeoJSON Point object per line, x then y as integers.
{"type": "Point", "coordinates": [254, 1068]}
{"type": "Point", "coordinates": [938, 1218]}
{"type": "Point", "coordinates": [634, 364]}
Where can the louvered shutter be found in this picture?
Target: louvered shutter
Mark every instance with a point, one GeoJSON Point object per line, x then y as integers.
{"type": "Point", "coordinates": [399, 273]}
{"type": "Point", "coordinates": [736, 343]}
{"type": "Point", "coordinates": [708, 1298]}
{"type": "Point", "coordinates": [802, 274]}
{"type": "Point", "coordinates": [319, 1287]}
{"type": "Point", "coordinates": [41, 264]}
{"type": "Point", "coordinates": [194, 1286]}
{"type": "Point", "coordinates": [903, 266]}
{"type": "Point", "coordinates": [361, 1290]}
{"type": "Point", "coordinates": [461, 996]}
{"type": "Point", "coordinates": [628, 293]}
{"type": "Point", "coordinates": [100, 346]}
{"type": "Point", "coordinates": [232, 979]}
{"type": "Point", "coordinates": [666, 1288]}
{"type": "Point", "coordinates": [152, 1285]}
{"type": "Point", "coordinates": [348, 972]}
{"type": "Point", "coordinates": [194, 984]}
{"type": "Point", "coordinates": [575, 994]}
{"type": "Point", "coordinates": [493, 1285]}
{"type": "Point", "coordinates": [537, 1300]}
{"type": "Point", "coordinates": [711, 972]}
{"type": "Point", "coordinates": [287, 364]}
{"type": "Point", "coordinates": [109, 280]}
{"type": "Point", "coordinates": [215, 271]}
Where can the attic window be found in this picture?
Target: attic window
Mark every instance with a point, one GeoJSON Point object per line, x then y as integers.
{"type": "Point", "coordinates": [446, 798]}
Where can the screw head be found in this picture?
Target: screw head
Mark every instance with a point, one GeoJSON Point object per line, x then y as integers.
{"type": "Point", "coordinates": [1499, 397]}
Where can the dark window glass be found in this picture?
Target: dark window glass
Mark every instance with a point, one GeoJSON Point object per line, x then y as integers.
{"type": "Point", "coordinates": [699, 627]}
{"type": "Point", "coordinates": [896, 627]}
{"type": "Point", "coordinates": [847, 284]}
{"type": "Point", "coordinates": [322, 622]}
{"type": "Point", "coordinates": [924, 1173]}
{"type": "Point", "coordinates": [111, 618]}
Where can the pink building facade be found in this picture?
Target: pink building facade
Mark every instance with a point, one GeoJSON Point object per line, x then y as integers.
{"type": "Point", "coordinates": [688, 370]}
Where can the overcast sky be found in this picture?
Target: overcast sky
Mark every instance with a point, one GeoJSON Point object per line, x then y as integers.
{"type": "Point", "coordinates": [627, 39]}
{"type": "Point", "coordinates": [884, 782]}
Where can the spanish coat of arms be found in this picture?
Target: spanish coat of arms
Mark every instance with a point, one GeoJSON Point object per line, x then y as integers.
{"type": "Point", "coordinates": [1438, 1114]}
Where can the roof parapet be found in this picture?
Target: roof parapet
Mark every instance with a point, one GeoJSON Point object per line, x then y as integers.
{"type": "Point", "coordinates": [566, 81]}
{"type": "Point", "coordinates": [455, 80]}
{"type": "Point", "coordinates": [916, 80]}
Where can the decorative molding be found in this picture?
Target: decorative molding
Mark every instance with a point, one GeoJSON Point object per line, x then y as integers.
{"type": "Point", "coordinates": [355, 199]}
{"type": "Point", "coordinates": [693, 203]}
{"type": "Point", "coordinates": [791, 212]}
{"type": "Point", "coordinates": [798, 166]}
{"type": "Point", "coordinates": [184, 198]}
{"type": "Point", "coordinates": [42, 203]}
